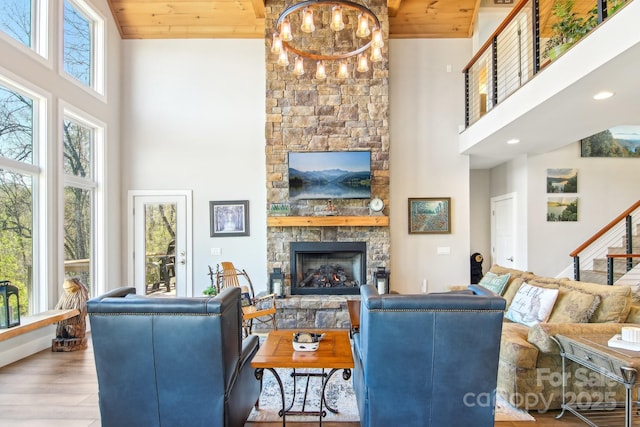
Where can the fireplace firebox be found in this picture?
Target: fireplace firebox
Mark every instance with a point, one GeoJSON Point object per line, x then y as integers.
{"type": "Point", "coordinates": [328, 268]}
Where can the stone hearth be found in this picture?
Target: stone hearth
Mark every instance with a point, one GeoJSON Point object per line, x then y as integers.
{"type": "Point", "coordinates": [312, 312]}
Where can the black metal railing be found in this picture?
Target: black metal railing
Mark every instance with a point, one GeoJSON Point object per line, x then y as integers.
{"type": "Point", "coordinates": [627, 217]}
{"type": "Point", "coordinates": [516, 51]}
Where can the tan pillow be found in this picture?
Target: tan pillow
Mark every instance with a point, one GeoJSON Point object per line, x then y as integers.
{"type": "Point", "coordinates": [512, 290]}
{"type": "Point", "coordinates": [574, 307]}
{"type": "Point", "coordinates": [499, 270]}
{"type": "Point", "coordinates": [615, 301]}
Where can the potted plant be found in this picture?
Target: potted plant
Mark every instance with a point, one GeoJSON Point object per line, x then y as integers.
{"type": "Point", "coordinates": [568, 28]}
{"type": "Point", "coordinates": [211, 291]}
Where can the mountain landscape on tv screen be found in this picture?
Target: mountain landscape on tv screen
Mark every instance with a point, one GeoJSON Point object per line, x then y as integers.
{"type": "Point", "coordinates": [329, 184]}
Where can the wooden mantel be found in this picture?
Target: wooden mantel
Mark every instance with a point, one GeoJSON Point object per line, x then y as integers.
{"type": "Point", "coordinates": [328, 221]}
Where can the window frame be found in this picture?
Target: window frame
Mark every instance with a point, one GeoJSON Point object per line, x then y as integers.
{"type": "Point", "coordinates": [39, 48]}
{"type": "Point", "coordinates": [96, 184]}
{"type": "Point", "coordinates": [41, 187]}
{"type": "Point", "coordinates": [98, 47]}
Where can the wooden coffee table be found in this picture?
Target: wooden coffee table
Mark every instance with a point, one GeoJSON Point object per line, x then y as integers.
{"type": "Point", "coordinates": [334, 353]}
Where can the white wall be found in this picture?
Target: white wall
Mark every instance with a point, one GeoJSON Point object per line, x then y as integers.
{"type": "Point", "coordinates": [606, 187]}
{"type": "Point", "coordinates": [480, 214]}
{"type": "Point", "coordinates": [196, 107]}
{"type": "Point", "coordinates": [193, 118]}
{"type": "Point", "coordinates": [426, 97]}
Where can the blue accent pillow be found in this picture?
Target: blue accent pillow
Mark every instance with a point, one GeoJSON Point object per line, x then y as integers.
{"type": "Point", "coordinates": [495, 283]}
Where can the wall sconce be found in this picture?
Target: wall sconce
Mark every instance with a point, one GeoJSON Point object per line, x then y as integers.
{"type": "Point", "coordinates": [381, 279]}
{"type": "Point", "coordinates": [9, 305]}
{"type": "Point", "coordinates": [276, 283]}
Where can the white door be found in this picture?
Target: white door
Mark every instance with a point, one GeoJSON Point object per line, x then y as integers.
{"type": "Point", "coordinates": [160, 242]}
{"type": "Point", "coordinates": [503, 230]}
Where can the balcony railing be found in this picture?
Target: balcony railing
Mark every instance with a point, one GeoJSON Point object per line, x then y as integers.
{"type": "Point", "coordinates": [515, 52]}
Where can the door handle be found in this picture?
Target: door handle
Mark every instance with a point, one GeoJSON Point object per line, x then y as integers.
{"type": "Point", "coordinates": [510, 259]}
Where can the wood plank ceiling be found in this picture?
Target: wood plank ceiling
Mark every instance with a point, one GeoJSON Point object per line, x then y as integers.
{"type": "Point", "coordinates": [163, 19]}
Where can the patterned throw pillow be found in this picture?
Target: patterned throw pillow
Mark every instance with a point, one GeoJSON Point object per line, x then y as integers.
{"type": "Point", "coordinates": [574, 307]}
{"type": "Point", "coordinates": [495, 283]}
{"type": "Point", "coordinates": [532, 305]}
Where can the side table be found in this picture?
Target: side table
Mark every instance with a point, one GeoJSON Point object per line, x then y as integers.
{"type": "Point", "coordinates": [619, 365]}
{"type": "Point", "coordinates": [334, 353]}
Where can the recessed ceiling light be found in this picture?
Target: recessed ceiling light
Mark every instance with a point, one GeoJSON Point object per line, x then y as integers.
{"type": "Point", "coordinates": [605, 94]}
{"type": "Point", "coordinates": [513, 141]}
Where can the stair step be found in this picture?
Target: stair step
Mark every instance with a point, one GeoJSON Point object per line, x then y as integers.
{"type": "Point", "coordinates": [619, 265]}
{"type": "Point", "coordinates": [597, 276]}
{"type": "Point", "coordinates": [622, 250]}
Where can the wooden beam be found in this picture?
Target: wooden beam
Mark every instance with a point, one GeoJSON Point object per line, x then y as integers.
{"type": "Point", "coordinates": [393, 6]}
{"type": "Point", "coordinates": [258, 8]}
{"type": "Point", "coordinates": [327, 221]}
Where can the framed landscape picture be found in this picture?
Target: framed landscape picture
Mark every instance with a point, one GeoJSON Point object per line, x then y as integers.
{"type": "Point", "coordinates": [618, 141]}
{"type": "Point", "coordinates": [562, 209]}
{"type": "Point", "coordinates": [229, 218]}
{"type": "Point", "coordinates": [562, 180]}
{"type": "Point", "coordinates": [430, 215]}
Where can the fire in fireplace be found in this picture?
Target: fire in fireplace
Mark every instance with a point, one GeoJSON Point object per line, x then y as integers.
{"type": "Point", "coordinates": [328, 268]}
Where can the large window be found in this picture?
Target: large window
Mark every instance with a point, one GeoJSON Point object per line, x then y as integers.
{"type": "Point", "coordinates": [83, 49]}
{"type": "Point", "coordinates": [51, 153]}
{"type": "Point", "coordinates": [26, 22]}
{"type": "Point", "coordinates": [16, 19]}
{"type": "Point", "coordinates": [79, 198]}
{"type": "Point", "coordinates": [17, 195]}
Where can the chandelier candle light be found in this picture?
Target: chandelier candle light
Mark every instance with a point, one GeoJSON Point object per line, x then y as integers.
{"type": "Point", "coordinates": [341, 15]}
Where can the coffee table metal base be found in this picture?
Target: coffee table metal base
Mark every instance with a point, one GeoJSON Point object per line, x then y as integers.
{"type": "Point", "coordinates": [321, 413]}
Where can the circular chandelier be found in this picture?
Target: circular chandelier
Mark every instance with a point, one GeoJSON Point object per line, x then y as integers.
{"type": "Point", "coordinates": [295, 34]}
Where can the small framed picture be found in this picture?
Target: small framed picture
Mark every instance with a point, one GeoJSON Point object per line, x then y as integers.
{"type": "Point", "coordinates": [430, 215]}
{"type": "Point", "coordinates": [229, 218]}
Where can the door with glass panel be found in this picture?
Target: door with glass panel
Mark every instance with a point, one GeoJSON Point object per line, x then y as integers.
{"type": "Point", "coordinates": [160, 243]}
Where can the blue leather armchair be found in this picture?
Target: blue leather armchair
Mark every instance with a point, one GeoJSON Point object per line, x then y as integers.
{"type": "Point", "coordinates": [172, 362]}
{"type": "Point", "coordinates": [429, 359]}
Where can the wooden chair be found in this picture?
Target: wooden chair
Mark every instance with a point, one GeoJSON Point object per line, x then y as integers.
{"type": "Point", "coordinates": [262, 309]}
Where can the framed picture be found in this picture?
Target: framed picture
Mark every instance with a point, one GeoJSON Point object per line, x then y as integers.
{"type": "Point", "coordinates": [562, 209]}
{"type": "Point", "coordinates": [562, 180]}
{"type": "Point", "coordinates": [619, 141]}
{"type": "Point", "coordinates": [229, 218]}
{"type": "Point", "coordinates": [431, 215]}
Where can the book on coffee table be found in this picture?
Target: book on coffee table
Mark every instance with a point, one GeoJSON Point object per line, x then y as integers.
{"type": "Point", "coordinates": [618, 342]}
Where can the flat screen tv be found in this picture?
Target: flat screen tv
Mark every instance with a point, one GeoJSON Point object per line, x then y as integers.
{"type": "Point", "coordinates": [329, 175]}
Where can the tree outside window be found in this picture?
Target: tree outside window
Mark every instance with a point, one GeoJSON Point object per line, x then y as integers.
{"type": "Point", "coordinates": [78, 200]}
{"type": "Point", "coordinates": [78, 43]}
{"type": "Point", "coordinates": [16, 20]}
{"type": "Point", "coordinates": [16, 193]}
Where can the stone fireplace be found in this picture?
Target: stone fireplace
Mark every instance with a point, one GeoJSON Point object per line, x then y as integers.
{"type": "Point", "coordinates": [327, 268]}
{"type": "Point", "coordinates": [307, 114]}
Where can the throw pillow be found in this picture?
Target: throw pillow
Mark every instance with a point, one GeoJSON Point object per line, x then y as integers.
{"type": "Point", "coordinates": [574, 307]}
{"type": "Point", "coordinates": [495, 283]}
{"type": "Point", "coordinates": [532, 305]}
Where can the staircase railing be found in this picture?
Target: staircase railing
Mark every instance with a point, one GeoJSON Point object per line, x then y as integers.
{"type": "Point", "coordinates": [513, 54]}
{"type": "Point", "coordinates": [610, 257]}
{"type": "Point", "coordinates": [627, 217]}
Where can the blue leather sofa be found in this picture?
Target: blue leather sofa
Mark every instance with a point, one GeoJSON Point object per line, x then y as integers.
{"type": "Point", "coordinates": [428, 359]}
{"type": "Point", "coordinates": [172, 362]}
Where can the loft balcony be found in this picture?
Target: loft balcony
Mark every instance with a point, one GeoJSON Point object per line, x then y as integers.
{"type": "Point", "coordinates": [513, 91]}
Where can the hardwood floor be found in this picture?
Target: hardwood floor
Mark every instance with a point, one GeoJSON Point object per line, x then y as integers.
{"type": "Point", "coordinates": [60, 389]}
